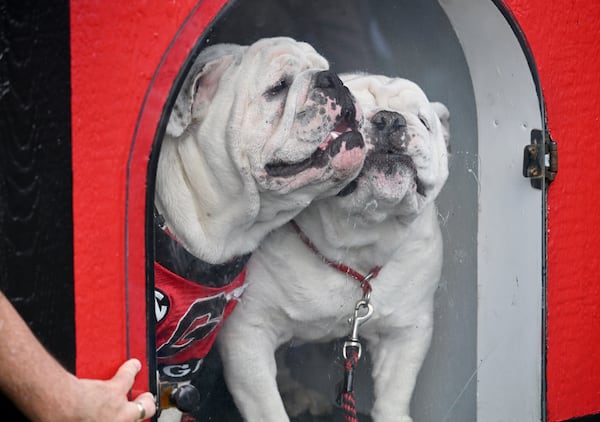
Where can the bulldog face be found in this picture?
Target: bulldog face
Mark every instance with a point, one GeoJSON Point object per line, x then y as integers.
{"type": "Point", "coordinates": [407, 159]}
{"type": "Point", "coordinates": [272, 113]}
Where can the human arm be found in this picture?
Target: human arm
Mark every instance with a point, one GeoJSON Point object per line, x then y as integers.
{"type": "Point", "coordinates": [45, 391]}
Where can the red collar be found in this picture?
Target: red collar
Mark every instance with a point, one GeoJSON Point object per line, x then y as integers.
{"type": "Point", "coordinates": [362, 279]}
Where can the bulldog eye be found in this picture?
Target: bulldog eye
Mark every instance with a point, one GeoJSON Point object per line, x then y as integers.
{"type": "Point", "coordinates": [280, 86]}
{"type": "Point", "coordinates": [425, 122]}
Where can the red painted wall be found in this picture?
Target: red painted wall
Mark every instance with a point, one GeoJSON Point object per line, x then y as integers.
{"type": "Point", "coordinates": [565, 39]}
{"type": "Point", "coordinates": [116, 48]}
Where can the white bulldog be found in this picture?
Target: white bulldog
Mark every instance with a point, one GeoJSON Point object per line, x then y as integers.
{"type": "Point", "coordinates": [385, 222]}
{"type": "Point", "coordinates": [256, 134]}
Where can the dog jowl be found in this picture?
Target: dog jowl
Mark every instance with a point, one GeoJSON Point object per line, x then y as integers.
{"type": "Point", "coordinates": [314, 119]}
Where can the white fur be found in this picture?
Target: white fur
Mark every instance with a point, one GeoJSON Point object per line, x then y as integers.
{"type": "Point", "coordinates": [292, 293]}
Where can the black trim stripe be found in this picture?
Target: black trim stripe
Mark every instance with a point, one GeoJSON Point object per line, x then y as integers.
{"type": "Point", "coordinates": [36, 229]}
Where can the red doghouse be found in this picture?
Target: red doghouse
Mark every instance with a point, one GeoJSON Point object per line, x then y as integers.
{"type": "Point", "coordinates": [515, 321]}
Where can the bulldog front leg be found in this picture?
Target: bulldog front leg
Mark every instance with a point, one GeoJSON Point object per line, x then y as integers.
{"type": "Point", "coordinates": [250, 370]}
{"type": "Point", "coordinates": [397, 358]}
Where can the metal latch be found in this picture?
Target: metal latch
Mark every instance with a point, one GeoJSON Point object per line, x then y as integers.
{"type": "Point", "coordinates": [540, 159]}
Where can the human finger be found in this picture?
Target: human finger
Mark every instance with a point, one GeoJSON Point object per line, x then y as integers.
{"type": "Point", "coordinates": [145, 406]}
{"type": "Point", "coordinates": [125, 375]}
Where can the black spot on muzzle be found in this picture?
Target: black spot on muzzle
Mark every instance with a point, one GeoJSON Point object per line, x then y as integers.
{"type": "Point", "coordinates": [333, 87]}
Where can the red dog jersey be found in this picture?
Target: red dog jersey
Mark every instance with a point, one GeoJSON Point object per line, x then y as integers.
{"type": "Point", "coordinates": [188, 318]}
{"type": "Point", "coordinates": [192, 298]}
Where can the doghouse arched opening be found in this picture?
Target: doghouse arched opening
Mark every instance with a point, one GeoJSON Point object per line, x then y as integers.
{"type": "Point", "coordinates": [486, 354]}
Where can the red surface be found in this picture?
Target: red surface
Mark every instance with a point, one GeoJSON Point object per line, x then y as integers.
{"type": "Point", "coordinates": [564, 36]}
{"type": "Point", "coordinates": [116, 50]}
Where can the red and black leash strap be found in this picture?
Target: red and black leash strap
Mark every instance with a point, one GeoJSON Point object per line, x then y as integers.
{"type": "Point", "coordinates": [346, 399]}
{"type": "Point", "coordinates": [352, 351]}
{"type": "Point", "coordinates": [352, 348]}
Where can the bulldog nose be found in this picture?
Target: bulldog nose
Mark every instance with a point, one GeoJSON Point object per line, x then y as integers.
{"type": "Point", "coordinates": [390, 130]}
{"type": "Point", "coordinates": [333, 87]}
{"type": "Point", "coordinates": [327, 80]}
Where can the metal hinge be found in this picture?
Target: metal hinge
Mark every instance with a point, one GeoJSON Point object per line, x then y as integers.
{"type": "Point", "coordinates": [540, 159]}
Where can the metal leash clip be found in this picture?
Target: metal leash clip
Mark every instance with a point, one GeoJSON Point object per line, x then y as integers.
{"type": "Point", "coordinates": [355, 321]}
{"type": "Point", "coordinates": [365, 286]}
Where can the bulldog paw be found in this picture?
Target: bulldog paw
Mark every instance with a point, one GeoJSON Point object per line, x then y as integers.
{"type": "Point", "coordinates": [304, 400]}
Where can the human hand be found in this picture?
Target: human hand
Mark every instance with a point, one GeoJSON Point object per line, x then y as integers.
{"type": "Point", "coordinates": [107, 400]}
{"type": "Point", "coordinates": [45, 391]}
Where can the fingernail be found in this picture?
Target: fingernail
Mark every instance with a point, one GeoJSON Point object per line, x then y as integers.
{"type": "Point", "coordinates": [138, 364]}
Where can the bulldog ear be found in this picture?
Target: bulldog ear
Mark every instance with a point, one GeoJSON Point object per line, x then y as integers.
{"type": "Point", "coordinates": [199, 87]}
{"type": "Point", "coordinates": [444, 114]}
